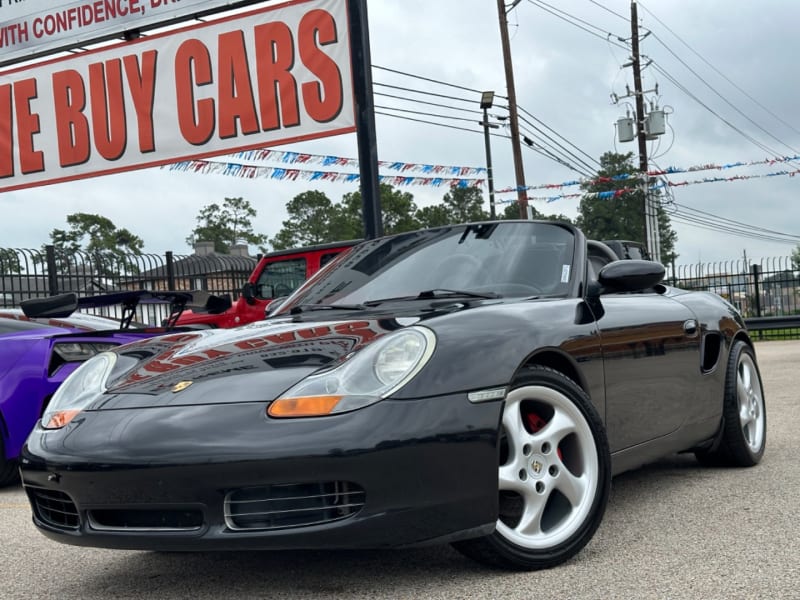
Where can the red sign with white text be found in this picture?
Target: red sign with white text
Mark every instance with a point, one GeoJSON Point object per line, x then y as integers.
{"type": "Point", "coordinates": [261, 78]}
{"type": "Point", "coordinates": [30, 28]}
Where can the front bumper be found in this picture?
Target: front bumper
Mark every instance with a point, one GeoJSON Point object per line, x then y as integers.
{"type": "Point", "coordinates": [227, 477]}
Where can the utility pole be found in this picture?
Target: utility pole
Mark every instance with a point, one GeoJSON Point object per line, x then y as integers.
{"type": "Point", "coordinates": [651, 232]}
{"type": "Point", "coordinates": [522, 195]}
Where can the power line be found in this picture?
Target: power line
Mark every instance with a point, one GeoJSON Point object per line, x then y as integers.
{"type": "Point", "coordinates": [693, 221]}
{"type": "Point", "coordinates": [427, 103]}
{"type": "Point", "coordinates": [542, 151]}
{"type": "Point", "coordinates": [437, 81]}
{"type": "Point", "coordinates": [735, 223]}
{"type": "Point", "coordinates": [585, 169]}
{"type": "Point", "coordinates": [718, 72]}
{"type": "Point", "coordinates": [586, 154]}
{"type": "Point", "coordinates": [686, 91]}
{"type": "Point", "coordinates": [416, 91]}
{"type": "Point", "coordinates": [564, 156]}
{"type": "Point", "coordinates": [552, 10]}
{"type": "Point", "coordinates": [565, 16]}
{"type": "Point", "coordinates": [605, 8]}
{"type": "Point", "coordinates": [707, 220]}
{"type": "Point", "coordinates": [455, 127]}
{"type": "Point", "coordinates": [724, 99]}
{"type": "Point", "coordinates": [419, 112]}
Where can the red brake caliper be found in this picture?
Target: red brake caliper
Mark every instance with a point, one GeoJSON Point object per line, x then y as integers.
{"type": "Point", "coordinates": [535, 424]}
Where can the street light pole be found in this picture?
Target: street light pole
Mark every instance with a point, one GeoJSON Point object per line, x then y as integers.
{"type": "Point", "coordinates": [487, 98]}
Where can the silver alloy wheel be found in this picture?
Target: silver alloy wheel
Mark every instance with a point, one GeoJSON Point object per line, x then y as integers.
{"type": "Point", "coordinates": [557, 483]}
{"type": "Point", "coordinates": [751, 403]}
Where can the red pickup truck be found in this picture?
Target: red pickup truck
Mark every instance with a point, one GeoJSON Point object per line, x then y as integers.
{"type": "Point", "coordinates": [277, 274]}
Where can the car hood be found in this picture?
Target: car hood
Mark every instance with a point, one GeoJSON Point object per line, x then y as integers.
{"type": "Point", "coordinates": [252, 363]}
{"type": "Point", "coordinates": [36, 334]}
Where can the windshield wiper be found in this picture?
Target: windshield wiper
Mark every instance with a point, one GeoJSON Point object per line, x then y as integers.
{"type": "Point", "coordinates": [435, 294]}
{"type": "Point", "coordinates": [301, 308]}
{"type": "Point", "coordinates": [446, 293]}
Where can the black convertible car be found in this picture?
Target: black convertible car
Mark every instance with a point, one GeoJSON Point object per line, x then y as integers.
{"type": "Point", "coordinates": [474, 384]}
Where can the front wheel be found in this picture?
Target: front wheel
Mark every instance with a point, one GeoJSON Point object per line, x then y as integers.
{"type": "Point", "coordinates": [554, 475]}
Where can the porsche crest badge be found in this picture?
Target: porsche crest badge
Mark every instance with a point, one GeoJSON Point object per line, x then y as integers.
{"type": "Point", "coordinates": [180, 386]}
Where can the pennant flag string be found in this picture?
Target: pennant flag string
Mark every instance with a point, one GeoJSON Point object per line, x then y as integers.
{"type": "Point", "coordinates": [338, 161]}
{"type": "Point", "coordinates": [610, 194]}
{"type": "Point", "coordinates": [637, 177]}
{"type": "Point", "coordinates": [232, 169]}
{"type": "Point", "coordinates": [438, 175]}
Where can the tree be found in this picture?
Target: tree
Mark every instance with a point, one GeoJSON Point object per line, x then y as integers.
{"type": "Point", "coordinates": [465, 205]}
{"type": "Point", "coordinates": [311, 215]}
{"type": "Point", "coordinates": [314, 219]}
{"type": "Point", "coordinates": [226, 225]}
{"type": "Point", "coordinates": [95, 233]}
{"type": "Point", "coordinates": [99, 237]}
{"type": "Point", "coordinates": [398, 211]}
{"type": "Point", "coordinates": [621, 217]}
{"type": "Point", "coordinates": [9, 261]}
{"type": "Point", "coordinates": [511, 212]}
{"type": "Point", "coordinates": [434, 215]}
{"type": "Point", "coordinates": [796, 258]}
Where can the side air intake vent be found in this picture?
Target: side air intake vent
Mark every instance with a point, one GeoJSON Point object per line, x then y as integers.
{"type": "Point", "coordinates": [281, 506]}
{"type": "Point", "coordinates": [712, 344]}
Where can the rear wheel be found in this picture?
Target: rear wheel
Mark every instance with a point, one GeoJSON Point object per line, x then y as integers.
{"type": "Point", "coordinates": [744, 427]}
{"type": "Point", "coordinates": [554, 475]}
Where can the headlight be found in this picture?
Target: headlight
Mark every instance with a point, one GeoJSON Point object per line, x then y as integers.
{"type": "Point", "coordinates": [80, 351]}
{"type": "Point", "coordinates": [84, 385]}
{"type": "Point", "coordinates": [368, 376]}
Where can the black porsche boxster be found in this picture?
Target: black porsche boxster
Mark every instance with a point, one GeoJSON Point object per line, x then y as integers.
{"type": "Point", "coordinates": [473, 384]}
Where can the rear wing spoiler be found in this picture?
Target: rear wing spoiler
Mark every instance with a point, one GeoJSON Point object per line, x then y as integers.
{"type": "Point", "coordinates": [64, 305]}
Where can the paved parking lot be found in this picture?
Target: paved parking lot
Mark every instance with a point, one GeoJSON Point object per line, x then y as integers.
{"type": "Point", "coordinates": [672, 530]}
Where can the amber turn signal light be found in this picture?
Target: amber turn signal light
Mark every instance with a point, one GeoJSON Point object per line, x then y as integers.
{"type": "Point", "coordinates": [61, 418]}
{"type": "Point", "coordinates": [304, 406]}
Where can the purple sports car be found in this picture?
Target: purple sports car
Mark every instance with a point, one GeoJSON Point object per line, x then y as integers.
{"type": "Point", "coordinates": [45, 342]}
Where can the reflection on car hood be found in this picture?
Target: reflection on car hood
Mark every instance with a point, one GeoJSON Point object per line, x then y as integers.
{"type": "Point", "coordinates": [273, 356]}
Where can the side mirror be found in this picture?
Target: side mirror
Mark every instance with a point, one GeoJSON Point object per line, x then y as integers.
{"type": "Point", "coordinates": [628, 276]}
{"type": "Point", "coordinates": [249, 293]}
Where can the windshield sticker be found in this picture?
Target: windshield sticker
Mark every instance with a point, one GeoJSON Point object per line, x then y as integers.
{"type": "Point", "coordinates": [565, 274]}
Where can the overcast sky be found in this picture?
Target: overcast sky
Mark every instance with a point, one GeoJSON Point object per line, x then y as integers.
{"type": "Point", "coordinates": [726, 76]}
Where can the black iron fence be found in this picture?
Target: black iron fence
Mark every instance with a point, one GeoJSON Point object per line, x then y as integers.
{"type": "Point", "coordinates": [766, 292]}
{"type": "Point", "coordinates": [28, 274]}
{"type": "Point", "coordinates": [769, 287]}
{"type": "Point", "coordinates": [766, 288]}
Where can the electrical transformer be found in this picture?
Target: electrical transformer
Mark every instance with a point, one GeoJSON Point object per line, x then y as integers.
{"type": "Point", "coordinates": [625, 130]}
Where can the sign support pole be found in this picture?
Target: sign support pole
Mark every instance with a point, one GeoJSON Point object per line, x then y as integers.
{"type": "Point", "coordinates": [365, 118]}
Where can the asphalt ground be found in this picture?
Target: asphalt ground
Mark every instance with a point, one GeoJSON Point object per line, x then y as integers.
{"type": "Point", "coordinates": [672, 530]}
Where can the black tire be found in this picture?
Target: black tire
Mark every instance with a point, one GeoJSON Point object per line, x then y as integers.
{"type": "Point", "coordinates": [9, 473]}
{"type": "Point", "coordinates": [554, 464]}
{"type": "Point", "coordinates": [744, 414]}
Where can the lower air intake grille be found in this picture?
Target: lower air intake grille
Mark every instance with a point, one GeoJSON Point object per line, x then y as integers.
{"type": "Point", "coordinates": [281, 506]}
{"type": "Point", "coordinates": [54, 508]}
{"type": "Point", "coordinates": [146, 519]}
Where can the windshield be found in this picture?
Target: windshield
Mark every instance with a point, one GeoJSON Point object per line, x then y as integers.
{"type": "Point", "coordinates": [508, 258]}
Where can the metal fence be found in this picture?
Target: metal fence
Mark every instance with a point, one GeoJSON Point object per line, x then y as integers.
{"type": "Point", "coordinates": [28, 274]}
{"type": "Point", "coordinates": [767, 292]}
{"type": "Point", "coordinates": [767, 288]}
